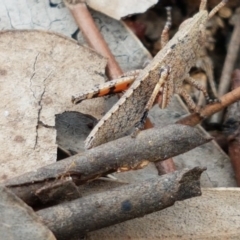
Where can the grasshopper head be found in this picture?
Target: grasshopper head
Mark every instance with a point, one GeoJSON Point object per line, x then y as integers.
{"type": "Point", "coordinates": [199, 18]}
{"type": "Point", "coordinates": [202, 16]}
{"type": "Point", "coordinates": [195, 26]}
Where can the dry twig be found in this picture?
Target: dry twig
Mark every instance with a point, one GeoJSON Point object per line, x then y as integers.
{"type": "Point", "coordinates": [152, 144]}
{"type": "Point", "coordinates": [232, 129]}
{"type": "Point", "coordinates": [94, 38]}
{"type": "Point", "coordinates": [232, 53]}
{"type": "Point", "coordinates": [165, 166]}
{"type": "Point", "coordinates": [210, 109]}
{"type": "Point", "coordinates": [75, 218]}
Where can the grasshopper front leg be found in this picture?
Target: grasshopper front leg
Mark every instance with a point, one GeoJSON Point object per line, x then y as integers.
{"type": "Point", "coordinates": [164, 73]}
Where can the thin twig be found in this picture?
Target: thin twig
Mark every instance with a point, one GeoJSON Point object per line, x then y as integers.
{"type": "Point", "coordinates": [94, 38]}
{"type": "Point", "coordinates": [232, 54]}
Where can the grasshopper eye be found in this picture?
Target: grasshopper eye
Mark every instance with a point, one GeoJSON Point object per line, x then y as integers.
{"type": "Point", "coordinates": [185, 23]}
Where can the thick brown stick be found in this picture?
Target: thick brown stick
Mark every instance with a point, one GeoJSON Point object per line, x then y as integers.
{"type": "Point", "coordinates": [232, 129]}
{"type": "Point", "coordinates": [207, 111]}
{"type": "Point", "coordinates": [234, 154]}
{"type": "Point", "coordinates": [165, 166]}
{"type": "Point", "coordinates": [75, 218]}
{"type": "Point", "coordinates": [94, 38]}
{"type": "Point", "coordinates": [122, 154]}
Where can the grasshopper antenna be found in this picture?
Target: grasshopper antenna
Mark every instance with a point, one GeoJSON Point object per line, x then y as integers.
{"type": "Point", "coordinates": [214, 10]}
{"type": "Point", "coordinates": [165, 31]}
{"type": "Point", "coordinates": [203, 5]}
{"type": "Point", "coordinates": [169, 18]}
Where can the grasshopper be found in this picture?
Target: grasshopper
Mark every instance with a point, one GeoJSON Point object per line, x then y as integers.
{"type": "Point", "coordinates": [167, 71]}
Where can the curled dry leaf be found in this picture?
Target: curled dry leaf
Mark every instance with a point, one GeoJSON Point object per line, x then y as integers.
{"type": "Point", "coordinates": [39, 71]}
{"type": "Point", "coordinates": [117, 8]}
{"type": "Point", "coordinates": [72, 129]}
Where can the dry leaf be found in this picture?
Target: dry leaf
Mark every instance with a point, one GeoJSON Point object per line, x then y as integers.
{"type": "Point", "coordinates": [54, 16]}
{"type": "Point", "coordinates": [72, 130]}
{"type": "Point", "coordinates": [46, 14]}
{"type": "Point", "coordinates": [19, 221]}
{"type": "Point", "coordinates": [214, 215]}
{"type": "Point", "coordinates": [39, 72]}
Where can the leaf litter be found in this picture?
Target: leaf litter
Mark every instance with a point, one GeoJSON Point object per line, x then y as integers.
{"type": "Point", "coordinates": [39, 73]}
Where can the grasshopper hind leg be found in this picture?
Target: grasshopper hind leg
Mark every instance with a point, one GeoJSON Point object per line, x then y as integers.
{"type": "Point", "coordinates": [114, 86]}
{"type": "Point", "coordinates": [107, 88]}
